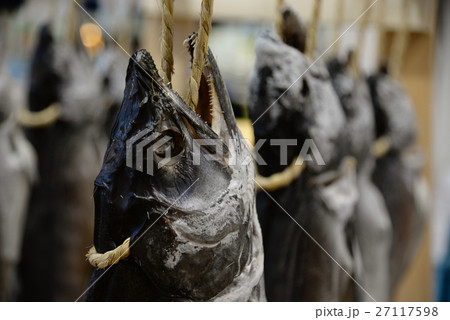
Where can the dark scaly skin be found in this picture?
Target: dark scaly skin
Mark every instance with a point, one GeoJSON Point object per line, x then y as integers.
{"type": "Point", "coordinates": [321, 200]}
{"type": "Point", "coordinates": [398, 174]}
{"type": "Point", "coordinates": [59, 223]}
{"type": "Point", "coordinates": [372, 223]}
{"type": "Point", "coordinates": [205, 246]}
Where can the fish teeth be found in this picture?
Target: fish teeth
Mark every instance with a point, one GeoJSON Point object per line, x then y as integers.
{"type": "Point", "coordinates": [215, 106]}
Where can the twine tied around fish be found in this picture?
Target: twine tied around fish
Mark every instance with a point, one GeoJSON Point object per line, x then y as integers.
{"type": "Point", "coordinates": [109, 258]}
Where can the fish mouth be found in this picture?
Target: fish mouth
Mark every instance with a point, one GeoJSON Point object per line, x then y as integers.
{"type": "Point", "coordinates": [213, 116]}
{"type": "Point", "coordinates": [209, 107]}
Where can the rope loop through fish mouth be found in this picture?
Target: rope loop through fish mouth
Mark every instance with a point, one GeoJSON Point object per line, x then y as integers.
{"type": "Point", "coordinates": [281, 179]}
{"type": "Point", "coordinates": [109, 258]}
{"type": "Point", "coordinates": [39, 119]}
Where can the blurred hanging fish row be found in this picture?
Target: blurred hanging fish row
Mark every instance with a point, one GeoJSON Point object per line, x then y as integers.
{"type": "Point", "coordinates": [322, 199]}
{"type": "Point", "coordinates": [367, 228]}
{"type": "Point", "coordinates": [69, 153]}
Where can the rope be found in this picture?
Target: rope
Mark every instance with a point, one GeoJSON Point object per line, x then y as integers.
{"type": "Point", "coordinates": [382, 34]}
{"type": "Point", "coordinates": [338, 22]}
{"type": "Point", "coordinates": [400, 44]}
{"type": "Point", "coordinates": [348, 164]}
{"type": "Point", "coordinates": [39, 119]}
{"type": "Point", "coordinates": [167, 41]}
{"type": "Point", "coordinates": [73, 24]}
{"type": "Point", "coordinates": [4, 26]}
{"type": "Point", "coordinates": [200, 53]}
{"type": "Point", "coordinates": [279, 18]}
{"type": "Point", "coordinates": [381, 147]}
{"type": "Point", "coordinates": [312, 32]}
{"type": "Point", "coordinates": [282, 179]}
{"type": "Point", "coordinates": [358, 49]}
{"type": "Point", "coordinates": [109, 258]}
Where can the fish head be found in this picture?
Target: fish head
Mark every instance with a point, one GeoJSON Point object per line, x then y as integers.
{"type": "Point", "coordinates": [394, 111]}
{"type": "Point", "coordinates": [64, 75]}
{"type": "Point", "coordinates": [45, 81]}
{"type": "Point", "coordinates": [169, 181]}
{"type": "Point", "coordinates": [292, 98]}
{"type": "Point", "coordinates": [355, 99]}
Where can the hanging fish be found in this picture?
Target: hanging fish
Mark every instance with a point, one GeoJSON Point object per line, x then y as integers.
{"type": "Point", "coordinates": [398, 173]}
{"type": "Point", "coordinates": [194, 231]}
{"type": "Point", "coordinates": [17, 174]}
{"type": "Point", "coordinates": [69, 147]}
{"type": "Point", "coordinates": [322, 199]}
{"type": "Point", "coordinates": [372, 222]}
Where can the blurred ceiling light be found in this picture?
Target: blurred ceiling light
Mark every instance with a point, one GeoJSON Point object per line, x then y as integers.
{"type": "Point", "coordinates": [91, 35]}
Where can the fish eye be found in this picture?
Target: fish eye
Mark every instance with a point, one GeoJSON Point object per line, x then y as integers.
{"type": "Point", "coordinates": [174, 145]}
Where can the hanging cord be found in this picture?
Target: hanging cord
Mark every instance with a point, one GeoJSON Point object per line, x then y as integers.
{"type": "Point", "coordinates": [167, 41]}
{"type": "Point", "coordinates": [73, 24]}
{"type": "Point", "coordinates": [356, 56]}
{"type": "Point", "coordinates": [338, 22]}
{"type": "Point", "coordinates": [200, 53]}
{"type": "Point", "coordinates": [3, 39]}
{"type": "Point", "coordinates": [382, 34]}
{"type": "Point", "coordinates": [279, 17]}
{"type": "Point", "coordinates": [382, 145]}
{"type": "Point", "coordinates": [282, 179]}
{"type": "Point", "coordinates": [311, 40]}
{"type": "Point", "coordinates": [104, 260]}
{"type": "Point", "coordinates": [400, 43]}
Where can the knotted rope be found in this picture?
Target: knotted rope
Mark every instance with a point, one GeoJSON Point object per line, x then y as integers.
{"type": "Point", "coordinates": [382, 34]}
{"type": "Point", "coordinates": [167, 41]}
{"type": "Point", "coordinates": [338, 22]}
{"type": "Point", "coordinates": [200, 53]}
{"type": "Point", "coordinates": [311, 40]}
{"type": "Point", "coordinates": [281, 179]}
{"type": "Point", "coordinates": [400, 44]}
{"type": "Point", "coordinates": [72, 29]}
{"type": "Point", "coordinates": [109, 258]}
{"type": "Point", "coordinates": [279, 18]}
{"type": "Point", "coordinates": [356, 56]}
{"type": "Point", "coordinates": [381, 147]}
{"type": "Point", "coordinates": [39, 119]}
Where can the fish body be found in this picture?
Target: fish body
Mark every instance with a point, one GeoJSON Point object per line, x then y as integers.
{"type": "Point", "coordinates": [293, 99]}
{"type": "Point", "coordinates": [59, 223]}
{"type": "Point", "coordinates": [398, 174]}
{"type": "Point", "coordinates": [372, 223]}
{"type": "Point", "coordinates": [194, 231]}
